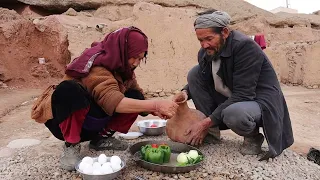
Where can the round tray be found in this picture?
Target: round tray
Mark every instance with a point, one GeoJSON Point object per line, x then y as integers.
{"type": "Point", "coordinates": [170, 167]}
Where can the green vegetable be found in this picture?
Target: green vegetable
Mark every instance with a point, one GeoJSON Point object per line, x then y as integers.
{"type": "Point", "coordinates": [143, 151]}
{"type": "Point", "coordinates": [184, 159]}
{"type": "Point", "coordinates": [167, 152]}
{"type": "Point", "coordinates": [198, 159]}
{"type": "Point", "coordinates": [155, 155]}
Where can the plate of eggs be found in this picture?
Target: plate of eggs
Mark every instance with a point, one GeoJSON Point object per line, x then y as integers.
{"type": "Point", "coordinates": [102, 167]}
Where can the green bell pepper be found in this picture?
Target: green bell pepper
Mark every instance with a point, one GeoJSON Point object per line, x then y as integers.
{"type": "Point", "coordinates": [143, 151]}
{"type": "Point", "coordinates": [167, 152]}
{"type": "Point", "coordinates": [155, 155]}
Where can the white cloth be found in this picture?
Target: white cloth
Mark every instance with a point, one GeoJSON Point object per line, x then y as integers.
{"type": "Point", "coordinates": [218, 83]}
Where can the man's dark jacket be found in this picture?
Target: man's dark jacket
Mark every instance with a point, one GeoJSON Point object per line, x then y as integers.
{"type": "Point", "coordinates": [248, 73]}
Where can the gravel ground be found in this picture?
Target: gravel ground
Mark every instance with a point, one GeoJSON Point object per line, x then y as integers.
{"type": "Point", "coordinates": [223, 161]}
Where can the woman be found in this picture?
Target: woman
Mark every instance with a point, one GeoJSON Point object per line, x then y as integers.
{"type": "Point", "coordinates": [99, 95]}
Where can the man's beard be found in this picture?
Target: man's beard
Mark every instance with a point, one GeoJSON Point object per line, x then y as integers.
{"type": "Point", "coordinates": [217, 50]}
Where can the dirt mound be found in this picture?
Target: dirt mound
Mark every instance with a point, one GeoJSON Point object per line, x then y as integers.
{"type": "Point", "coordinates": [237, 8]}
{"type": "Point", "coordinates": [23, 42]}
{"type": "Point", "coordinates": [27, 11]}
{"type": "Point", "coordinates": [8, 15]}
{"type": "Point", "coordinates": [173, 45]}
{"type": "Point", "coordinates": [299, 65]}
{"type": "Point", "coordinates": [114, 13]}
{"type": "Point", "coordinates": [316, 12]}
{"type": "Point", "coordinates": [63, 5]}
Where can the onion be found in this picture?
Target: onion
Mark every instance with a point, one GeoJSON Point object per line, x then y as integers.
{"type": "Point", "coordinates": [182, 158]}
{"type": "Point", "coordinates": [193, 154]}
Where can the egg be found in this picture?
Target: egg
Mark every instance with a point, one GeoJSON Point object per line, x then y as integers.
{"type": "Point", "coordinates": [106, 168]}
{"type": "Point", "coordinates": [88, 160]}
{"type": "Point", "coordinates": [83, 165]}
{"type": "Point", "coordinates": [96, 166]}
{"type": "Point", "coordinates": [88, 169]}
{"type": "Point", "coordinates": [107, 163]}
{"type": "Point", "coordinates": [115, 160]}
{"type": "Point", "coordinates": [96, 172]}
{"type": "Point", "coordinates": [115, 167]}
{"type": "Point", "coordinates": [102, 159]}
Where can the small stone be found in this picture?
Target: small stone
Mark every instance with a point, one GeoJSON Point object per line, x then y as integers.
{"type": "Point", "coordinates": [315, 86]}
{"type": "Point", "coordinates": [175, 177]}
{"type": "Point", "coordinates": [56, 174]}
{"type": "Point", "coordinates": [20, 143]}
{"type": "Point", "coordinates": [204, 174]}
{"type": "Point", "coordinates": [71, 12]}
{"type": "Point", "coordinates": [254, 176]}
{"type": "Point", "coordinates": [162, 94]}
{"type": "Point", "coordinates": [259, 169]}
{"type": "Point", "coordinates": [148, 96]}
{"type": "Point", "coordinates": [3, 85]}
{"type": "Point", "coordinates": [227, 173]}
{"type": "Point", "coordinates": [187, 175]}
{"type": "Point", "coordinates": [231, 176]}
{"type": "Point", "coordinates": [155, 95]}
{"type": "Point", "coordinates": [217, 178]}
{"type": "Point", "coordinates": [36, 21]}
{"type": "Point", "coordinates": [159, 90]}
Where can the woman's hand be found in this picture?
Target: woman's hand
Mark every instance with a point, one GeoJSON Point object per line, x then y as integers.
{"type": "Point", "coordinates": [165, 109]}
{"type": "Point", "coordinates": [159, 115]}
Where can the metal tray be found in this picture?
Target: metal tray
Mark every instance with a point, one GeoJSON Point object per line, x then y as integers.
{"type": "Point", "coordinates": [103, 176]}
{"type": "Point", "coordinates": [170, 167]}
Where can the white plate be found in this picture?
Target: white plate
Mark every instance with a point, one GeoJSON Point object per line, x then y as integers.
{"type": "Point", "coordinates": [131, 135]}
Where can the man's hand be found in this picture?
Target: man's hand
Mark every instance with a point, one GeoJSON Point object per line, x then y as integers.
{"type": "Point", "coordinates": [197, 132]}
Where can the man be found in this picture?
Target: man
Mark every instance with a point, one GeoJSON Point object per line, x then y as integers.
{"type": "Point", "coordinates": [236, 87]}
